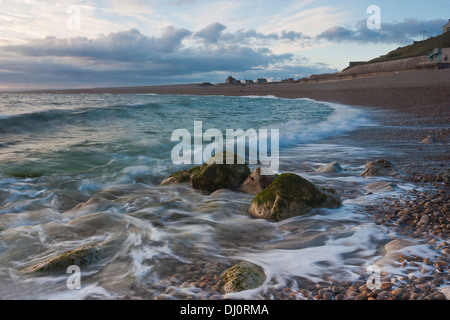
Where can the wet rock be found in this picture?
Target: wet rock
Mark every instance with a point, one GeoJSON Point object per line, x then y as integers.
{"type": "Point", "coordinates": [446, 292]}
{"type": "Point", "coordinates": [180, 176]}
{"type": "Point", "coordinates": [212, 176]}
{"type": "Point", "coordinates": [424, 220]}
{"type": "Point", "coordinates": [333, 167]}
{"type": "Point", "coordinates": [444, 176]}
{"type": "Point", "coordinates": [243, 276]}
{"type": "Point", "coordinates": [260, 179]}
{"type": "Point", "coordinates": [382, 186]}
{"type": "Point", "coordinates": [392, 252]}
{"type": "Point", "coordinates": [80, 257]}
{"type": "Point", "coordinates": [398, 293]}
{"type": "Point", "coordinates": [380, 167]}
{"type": "Point", "coordinates": [290, 195]}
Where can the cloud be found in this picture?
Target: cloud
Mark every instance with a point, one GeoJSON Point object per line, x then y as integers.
{"type": "Point", "coordinates": [401, 33]}
{"type": "Point", "coordinates": [211, 33]}
{"type": "Point", "coordinates": [119, 46]}
{"type": "Point", "coordinates": [132, 58]}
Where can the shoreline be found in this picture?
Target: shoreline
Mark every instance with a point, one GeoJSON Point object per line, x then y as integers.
{"type": "Point", "coordinates": [422, 94]}
{"type": "Point", "coordinates": [409, 107]}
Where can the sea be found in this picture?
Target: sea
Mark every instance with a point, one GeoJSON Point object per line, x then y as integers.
{"type": "Point", "coordinates": [85, 169]}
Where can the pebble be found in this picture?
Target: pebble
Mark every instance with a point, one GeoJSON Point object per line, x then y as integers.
{"type": "Point", "coordinates": [397, 292]}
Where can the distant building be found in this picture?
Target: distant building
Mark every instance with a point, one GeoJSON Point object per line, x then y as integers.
{"type": "Point", "coordinates": [261, 81]}
{"type": "Point", "coordinates": [446, 28]}
{"type": "Point", "coordinates": [357, 63]}
{"type": "Point", "coordinates": [439, 55]}
{"type": "Point", "coordinates": [231, 80]}
{"type": "Point", "coordinates": [249, 82]}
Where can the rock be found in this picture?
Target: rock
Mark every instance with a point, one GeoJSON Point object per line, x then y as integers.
{"type": "Point", "coordinates": [333, 167]}
{"type": "Point", "coordinates": [444, 176]}
{"type": "Point", "coordinates": [428, 140]}
{"type": "Point", "coordinates": [212, 176]}
{"type": "Point", "coordinates": [81, 256]}
{"type": "Point", "coordinates": [380, 167]}
{"type": "Point", "coordinates": [397, 293]}
{"type": "Point", "coordinates": [386, 285]}
{"type": "Point", "coordinates": [446, 292]}
{"type": "Point", "coordinates": [260, 179]}
{"type": "Point", "coordinates": [243, 276]}
{"type": "Point", "coordinates": [290, 195]}
{"type": "Point", "coordinates": [382, 186]}
{"type": "Point", "coordinates": [424, 220]}
{"type": "Point", "coordinates": [180, 176]}
{"type": "Point", "coordinates": [392, 252]}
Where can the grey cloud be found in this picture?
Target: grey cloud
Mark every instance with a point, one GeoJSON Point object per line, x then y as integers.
{"type": "Point", "coordinates": [211, 33]}
{"type": "Point", "coordinates": [127, 58]}
{"type": "Point", "coordinates": [401, 32]}
{"type": "Point", "coordinates": [118, 46]}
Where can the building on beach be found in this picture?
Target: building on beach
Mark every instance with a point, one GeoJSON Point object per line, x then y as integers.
{"type": "Point", "coordinates": [231, 80]}
{"type": "Point", "coordinates": [261, 81]}
{"type": "Point", "coordinates": [440, 55]}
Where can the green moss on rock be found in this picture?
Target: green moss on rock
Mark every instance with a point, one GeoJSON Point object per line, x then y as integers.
{"type": "Point", "coordinates": [180, 176]}
{"type": "Point", "coordinates": [212, 176]}
{"type": "Point", "coordinates": [243, 276]}
{"type": "Point", "coordinates": [81, 256]}
{"type": "Point", "coordinates": [291, 195]}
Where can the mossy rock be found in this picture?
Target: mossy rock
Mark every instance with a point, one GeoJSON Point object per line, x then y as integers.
{"type": "Point", "coordinates": [80, 257]}
{"type": "Point", "coordinates": [180, 176]}
{"type": "Point", "coordinates": [243, 276]}
{"type": "Point", "coordinates": [291, 195]}
{"type": "Point", "coordinates": [212, 176]}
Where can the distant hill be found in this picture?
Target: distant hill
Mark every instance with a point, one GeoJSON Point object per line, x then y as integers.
{"type": "Point", "coordinates": [419, 48]}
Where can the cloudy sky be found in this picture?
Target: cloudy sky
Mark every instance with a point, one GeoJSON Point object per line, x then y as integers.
{"type": "Point", "coordinates": [98, 43]}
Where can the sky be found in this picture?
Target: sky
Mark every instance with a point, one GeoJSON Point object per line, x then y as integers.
{"type": "Point", "coordinates": [99, 43]}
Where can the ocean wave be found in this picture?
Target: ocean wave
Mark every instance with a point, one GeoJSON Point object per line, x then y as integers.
{"type": "Point", "coordinates": [342, 120]}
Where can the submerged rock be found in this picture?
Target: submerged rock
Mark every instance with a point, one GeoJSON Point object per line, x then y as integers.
{"type": "Point", "coordinates": [380, 187]}
{"type": "Point", "coordinates": [212, 176]}
{"type": "Point", "coordinates": [80, 257]}
{"type": "Point", "coordinates": [290, 195]}
{"type": "Point", "coordinates": [392, 251]}
{"type": "Point", "coordinates": [380, 167]}
{"type": "Point", "coordinates": [243, 276]}
{"type": "Point", "coordinates": [333, 167]}
{"type": "Point", "coordinates": [260, 179]}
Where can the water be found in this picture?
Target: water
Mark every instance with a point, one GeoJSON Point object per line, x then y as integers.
{"type": "Point", "coordinates": [59, 151]}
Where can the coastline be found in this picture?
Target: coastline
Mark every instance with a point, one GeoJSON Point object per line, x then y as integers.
{"type": "Point", "coordinates": [408, 107]}
{"type": "Point", "coordinates": [421, 94]}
